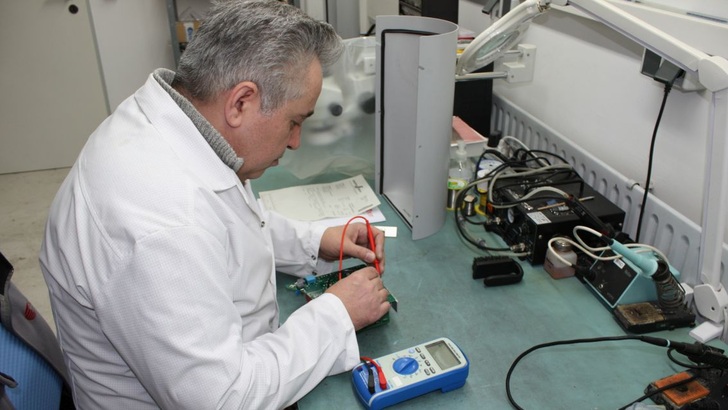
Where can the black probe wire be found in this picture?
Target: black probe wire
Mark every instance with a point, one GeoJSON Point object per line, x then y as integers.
{"type": "Point", "coordinates": [540, 151]}
{"type": "Point", "coordinates": [550, 344]}
{"type": "Point", "coordinates": [686, 365]}
{"type": "Point", "coordinates": [528, 153]}
{"type": "Point", "coordinates": [650, 159]}
{"type": "Point", "coordinates": [512, 401]}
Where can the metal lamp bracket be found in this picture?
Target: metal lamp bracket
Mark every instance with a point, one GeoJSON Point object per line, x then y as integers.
{"type": "Point", "coordinates": [521, 69]}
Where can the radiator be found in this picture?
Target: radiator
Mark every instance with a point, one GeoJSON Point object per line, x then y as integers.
{"type": "Point", "coordinates": [663, 227]}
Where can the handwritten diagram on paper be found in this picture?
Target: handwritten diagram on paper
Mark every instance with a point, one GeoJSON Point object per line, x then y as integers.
{"type": "Point", "coordinates": [345, 198]}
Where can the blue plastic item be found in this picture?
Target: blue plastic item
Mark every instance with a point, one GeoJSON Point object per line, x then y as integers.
{"type": "Point", "coordinates": [39, 386]}
{"type": "Point", "coordinates": [435, 365]}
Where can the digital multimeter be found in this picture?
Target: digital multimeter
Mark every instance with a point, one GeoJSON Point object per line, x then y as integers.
{"type": "Point", "coordinates": [438, 364]}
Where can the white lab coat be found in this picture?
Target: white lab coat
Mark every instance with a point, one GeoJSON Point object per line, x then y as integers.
{"type": "Point", "coordinates": [161, 270]}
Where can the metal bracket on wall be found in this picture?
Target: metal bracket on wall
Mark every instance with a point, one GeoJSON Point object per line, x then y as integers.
{"type": "Point", "coordinates": [521, 69]}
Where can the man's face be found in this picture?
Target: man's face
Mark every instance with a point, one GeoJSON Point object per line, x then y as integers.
{"type": "Point", "coordinates": [264, 138]}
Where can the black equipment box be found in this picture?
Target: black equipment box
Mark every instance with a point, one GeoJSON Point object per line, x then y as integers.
{"type": "Point", "coordinates": [543, 216]}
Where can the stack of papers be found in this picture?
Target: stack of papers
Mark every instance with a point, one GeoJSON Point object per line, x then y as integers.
{"type": "Point", "coordinates": [333, 203]}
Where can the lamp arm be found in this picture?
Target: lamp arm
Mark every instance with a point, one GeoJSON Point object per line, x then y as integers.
{"type": "Point", "coordinates": [711, 71]}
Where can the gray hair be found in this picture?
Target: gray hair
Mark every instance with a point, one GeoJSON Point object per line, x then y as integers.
{"type": "Point", "coordinates": [267, 42]}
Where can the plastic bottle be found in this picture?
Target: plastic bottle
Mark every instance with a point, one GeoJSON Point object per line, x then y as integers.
{"type": "Point", "coordinates": [460, 173]}
{"type": "Point", "coordinates": [461, 167]}
{"type": "Point", "coordinates": [555, 266]}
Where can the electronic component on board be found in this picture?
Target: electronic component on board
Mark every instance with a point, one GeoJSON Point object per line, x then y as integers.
{"type": "Point", "coordinates": [313, 286]}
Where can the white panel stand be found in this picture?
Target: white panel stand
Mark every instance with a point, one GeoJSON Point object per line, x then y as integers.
{"type": "Point", "coordinates": [415, 87]}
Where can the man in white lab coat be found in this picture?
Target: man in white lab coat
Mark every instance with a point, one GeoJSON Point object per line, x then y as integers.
{"type": "Point", "coordinates": [160, 264]}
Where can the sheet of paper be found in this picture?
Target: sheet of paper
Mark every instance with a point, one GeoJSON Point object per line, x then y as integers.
{"type": "Point", "coordinates": [389, 231]}
{"type": "Point", "coordinates": [372, 215]}
{"type": "Point", "coordinates": [341, 199]}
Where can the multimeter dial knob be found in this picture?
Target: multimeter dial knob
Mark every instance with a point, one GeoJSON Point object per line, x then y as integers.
{"type": "Point", "coordinates": [405, 365]}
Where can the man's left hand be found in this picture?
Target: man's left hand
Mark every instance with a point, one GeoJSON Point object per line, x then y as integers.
{"type": "Point", "coordinates": [355, 244]}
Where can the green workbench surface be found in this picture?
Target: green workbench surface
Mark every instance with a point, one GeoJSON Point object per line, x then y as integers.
{"type": "Point", "coordinates": [432, 279]}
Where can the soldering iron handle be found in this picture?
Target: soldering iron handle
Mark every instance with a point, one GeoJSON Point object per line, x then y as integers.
{"type": "Point", "coordinates": [588, 217]}
{"type": "Point", "coordinates": [697, 352]}
{"type": "Point", "coordinates": [701, 353]}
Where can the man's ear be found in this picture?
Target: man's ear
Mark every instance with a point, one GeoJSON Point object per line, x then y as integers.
{"type": "Point", "coordinates": [242, 100]}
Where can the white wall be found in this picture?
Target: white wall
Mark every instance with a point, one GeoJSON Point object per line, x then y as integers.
{"type": "Point", "coordinates": [133, 38]}
{"type": "Point", "coordinates": [471, 17]}
{"type": "Point", "coordinates": [53, 95]}
{"type": "Point", "coordinates": [192, 9]}
{"type": "Point", "coordinates": [587, 86]}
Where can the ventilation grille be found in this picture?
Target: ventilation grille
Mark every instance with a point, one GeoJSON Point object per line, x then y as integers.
{"type": "Point", "coordinates": [662, 226]}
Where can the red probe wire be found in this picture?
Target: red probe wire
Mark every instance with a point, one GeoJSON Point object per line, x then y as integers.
{"type": "Point", "coordinates": [380, 372]}
{"type": "Point", "coordinates": [371, 244]}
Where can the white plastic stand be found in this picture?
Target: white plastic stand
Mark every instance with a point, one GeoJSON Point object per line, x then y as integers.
{"type": "Point", "coordinates": [415, 88]}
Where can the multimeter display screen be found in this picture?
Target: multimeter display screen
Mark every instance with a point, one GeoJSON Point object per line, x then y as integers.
{"type": "Point", "coordinates": [442, 355]}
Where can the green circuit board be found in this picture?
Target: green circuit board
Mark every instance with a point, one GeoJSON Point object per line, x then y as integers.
{"type": "Point", "coordinates": [314, 286]}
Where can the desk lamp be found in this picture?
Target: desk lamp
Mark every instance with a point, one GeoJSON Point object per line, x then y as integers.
{"type": "Point", "coordinates": [710, 296]}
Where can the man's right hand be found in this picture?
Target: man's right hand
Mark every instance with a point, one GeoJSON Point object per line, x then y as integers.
{"type": "Point", "coordinates": [363, 295]}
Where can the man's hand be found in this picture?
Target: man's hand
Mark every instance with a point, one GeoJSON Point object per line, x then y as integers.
{"type": "Point", "coordinates": [363, 295]}
{"type": "Point", "coordinates": [356, 244]}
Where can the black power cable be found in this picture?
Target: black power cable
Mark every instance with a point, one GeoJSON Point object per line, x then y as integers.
{"type": "Point", "coordinates": [697, 352]}
{"type": "Point", "coordinates": [667, 75]}
{"type": "Point", "coordinates": [649, 162]}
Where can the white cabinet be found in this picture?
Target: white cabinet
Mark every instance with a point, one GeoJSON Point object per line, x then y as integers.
{"type": "Point", "coordinates": [132, 40]}
{"type": "Point", "coordinates": [51, 84]}
{"type": "Point", "coordinates": [65, 65]}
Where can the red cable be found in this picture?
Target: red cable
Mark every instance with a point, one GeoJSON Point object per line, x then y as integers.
{"type": "Point", "coordinates": [371, 244]}
{"type": "Point", "coordinates": [380, 372]}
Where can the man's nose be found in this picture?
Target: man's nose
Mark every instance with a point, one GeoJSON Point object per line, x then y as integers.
{"type": "Point", "coordinates": [295, 141]}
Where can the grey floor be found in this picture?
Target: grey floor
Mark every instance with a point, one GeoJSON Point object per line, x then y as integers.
{"type": "Point", "coordinates": [24, 202]}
